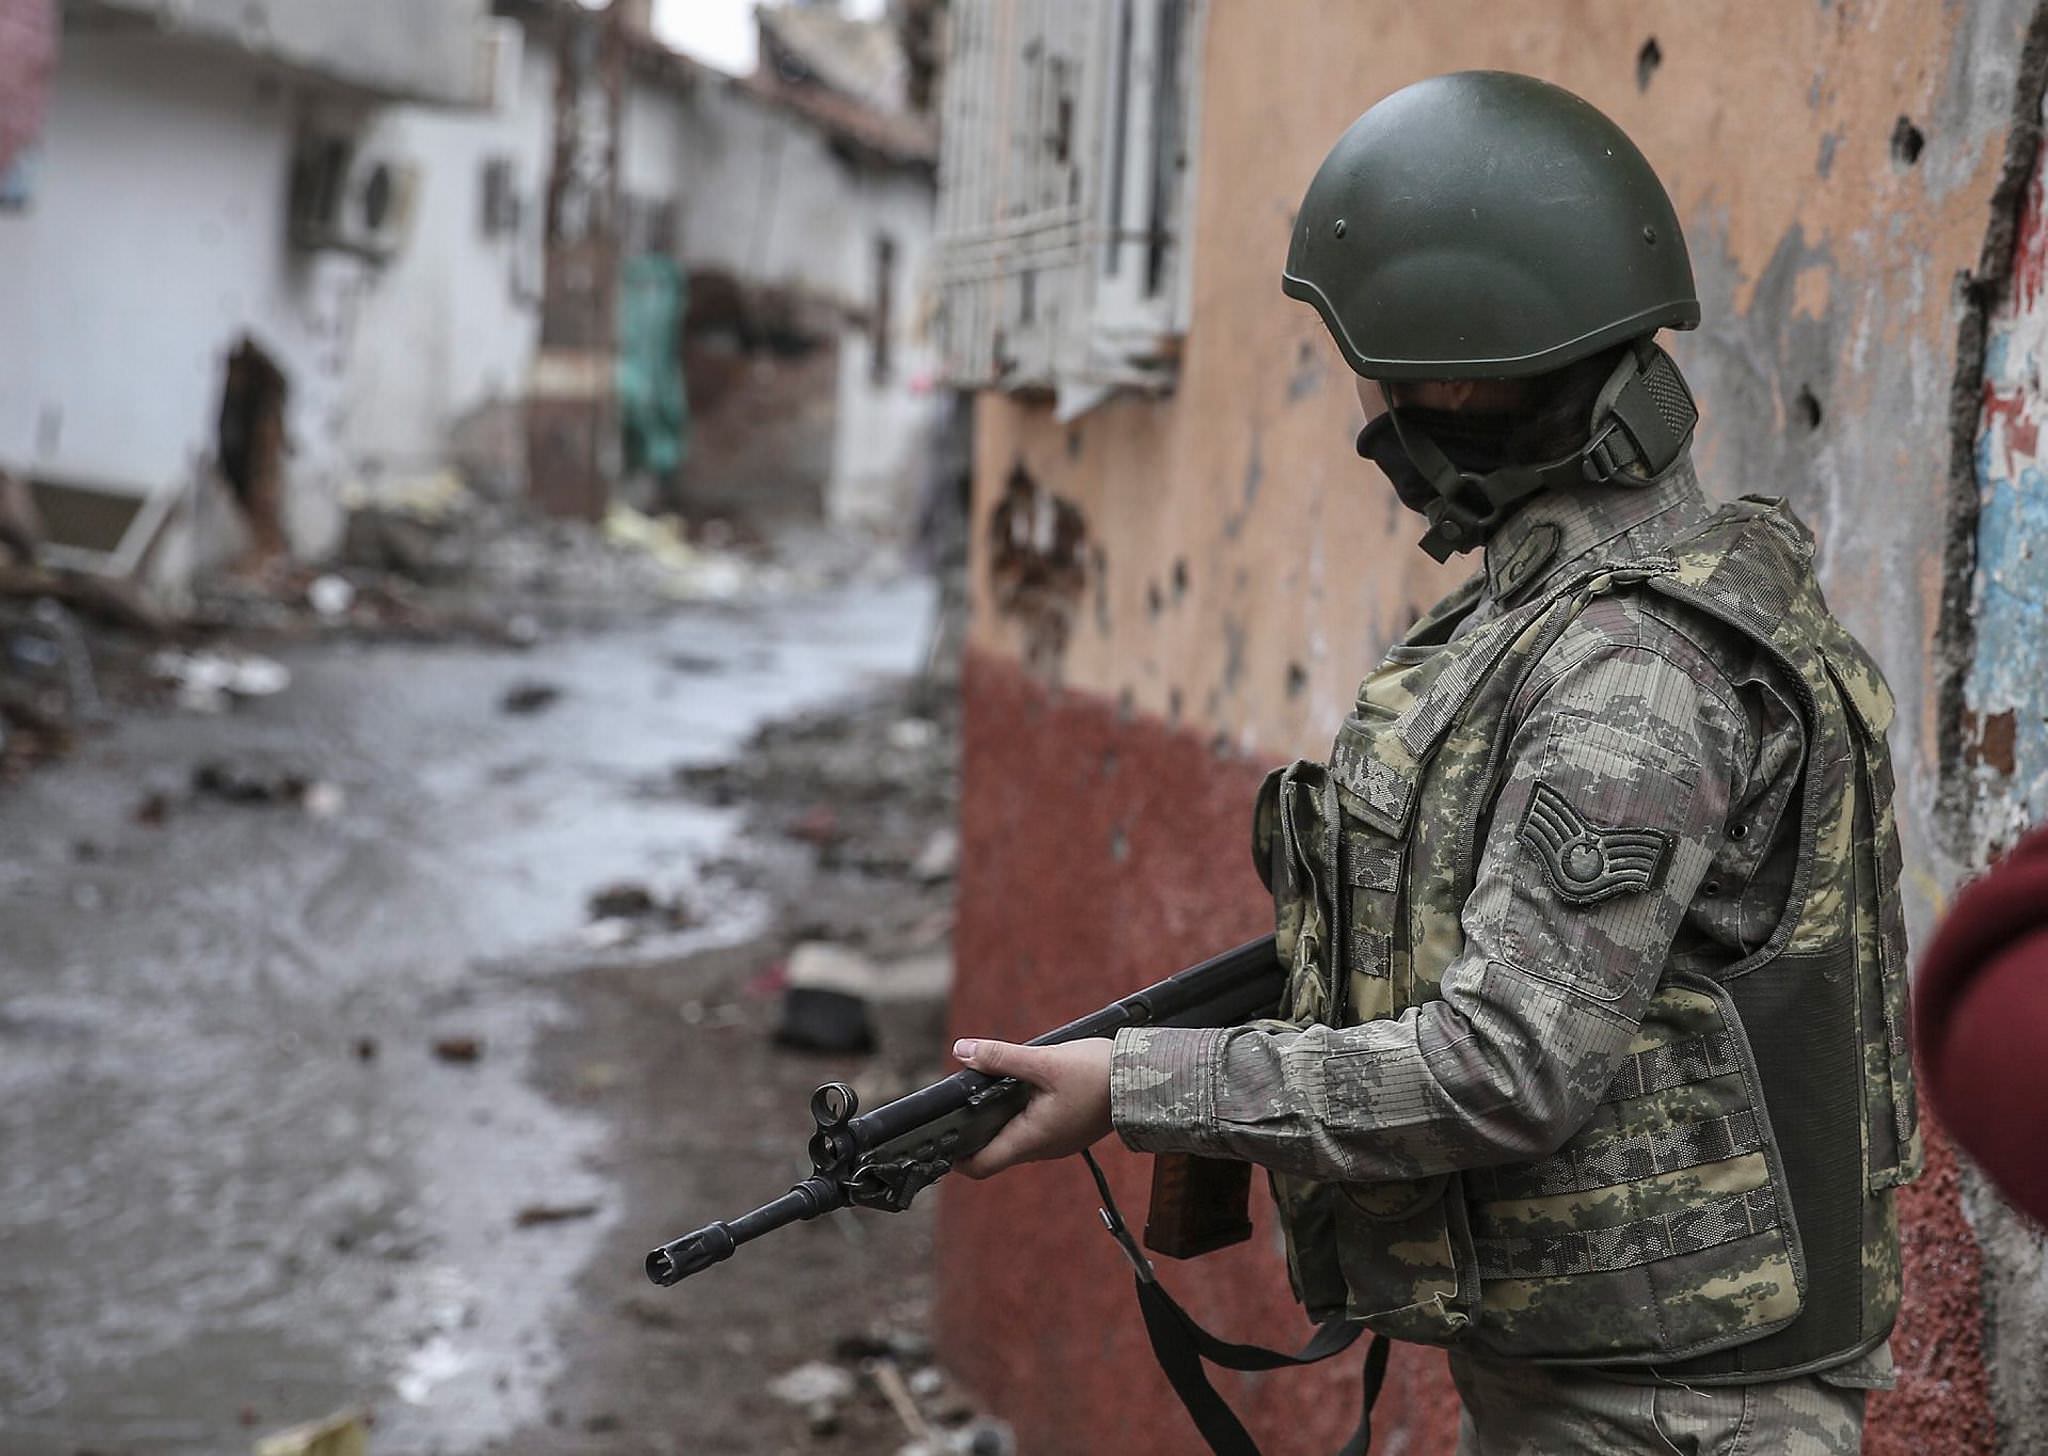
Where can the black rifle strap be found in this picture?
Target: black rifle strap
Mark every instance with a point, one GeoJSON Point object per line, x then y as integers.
{"type": "Point", "coordinates": [1181, 1345]}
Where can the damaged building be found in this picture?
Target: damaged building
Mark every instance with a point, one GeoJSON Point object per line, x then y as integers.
{"type": "Point", "coordinates": [639, 262]}
{"type": "Point", "coordinates": [1182, 570]}
{"type": "Point", "coordinates": [335, 253]}
{"type": "Point", "coordinates": [181, 271]}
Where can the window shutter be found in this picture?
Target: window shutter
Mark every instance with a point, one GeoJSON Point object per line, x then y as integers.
{"type": "Point", "coordinates": [1063, 214]}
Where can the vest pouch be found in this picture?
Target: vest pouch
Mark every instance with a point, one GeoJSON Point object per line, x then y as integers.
{"type": "Point", "coordinates": [1661, 1230]}
{"type": "Point", "coordinates": [1294, 846]}
{"type": "Point", "coordinates": [1405, 1252]}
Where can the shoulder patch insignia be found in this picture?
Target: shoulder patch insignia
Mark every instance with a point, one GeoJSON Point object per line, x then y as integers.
{"type": "Point", "coordinates": [1587, 862]}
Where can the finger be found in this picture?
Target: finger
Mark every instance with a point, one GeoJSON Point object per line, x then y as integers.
{"type": "Point", "coordinates": [1003, 1059]}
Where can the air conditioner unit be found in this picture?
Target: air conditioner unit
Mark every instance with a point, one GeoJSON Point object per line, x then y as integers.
{"type": "Point", "coordinates": [350, 200]}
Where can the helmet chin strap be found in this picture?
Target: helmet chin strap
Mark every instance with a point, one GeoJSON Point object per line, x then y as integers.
{"type": "Point", "coordinates": [1642, 420]}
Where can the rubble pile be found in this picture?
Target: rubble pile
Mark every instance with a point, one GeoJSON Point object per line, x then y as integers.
{"type": "Point", "coordinates": [872, 791]}
{"type": "Point", "coordinates": [440, 536]}
{"type": "Point", "coordinates": [890, 1373]}
{"type": "Point", "coordinates": [72, 648]}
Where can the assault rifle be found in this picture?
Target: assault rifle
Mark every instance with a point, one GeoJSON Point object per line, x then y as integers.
{"type": "Point", "coordinates": [885, 1158]}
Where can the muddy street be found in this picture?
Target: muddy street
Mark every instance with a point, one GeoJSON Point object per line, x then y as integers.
{"type": "Point", "coordinates": [335, 1095]}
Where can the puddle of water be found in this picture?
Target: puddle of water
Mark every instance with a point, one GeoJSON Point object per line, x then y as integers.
{"type": "Point", "coordinates": [238, 1181]}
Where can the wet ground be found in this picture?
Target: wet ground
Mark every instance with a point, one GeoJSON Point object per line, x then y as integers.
{"type": "Point", "coordinates": [337, 1101]}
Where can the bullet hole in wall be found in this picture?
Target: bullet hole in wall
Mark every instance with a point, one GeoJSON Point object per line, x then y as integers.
{"type": "Point", "coordinates": [1180, 578]}
{"type": "Point", "coordinates": [1806, 407]}
{"type": "Point", "coordinates": [1119, 844]}
{"type": "Point", "coordinates": [1907, 142]}
{"type": "Point", "coordinates": [1155, 600]}
{"type": "Point", "coordinates": [1297, 679]}
{"type": "Point", "coordinates": [1648, 59]}
{"type": "Point", "coordinates": [1074, 443]}
{"type": "Point", "coordinates": [1038, 563]}
{"type": "Point", "coordinates": [1173, 705]}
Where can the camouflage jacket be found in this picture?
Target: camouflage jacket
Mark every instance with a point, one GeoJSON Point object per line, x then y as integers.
{"type": "Point", "coordinates": [1509, 1053]}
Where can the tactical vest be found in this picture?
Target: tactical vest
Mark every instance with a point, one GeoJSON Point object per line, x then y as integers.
{"type": "Point", "coordinates": [1726, 1212]}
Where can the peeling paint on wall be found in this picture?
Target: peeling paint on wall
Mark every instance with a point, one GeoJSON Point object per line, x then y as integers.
{"type": "Point", "coordinates": [2006, 700]}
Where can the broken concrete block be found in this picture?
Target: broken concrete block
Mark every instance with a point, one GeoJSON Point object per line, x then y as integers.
{"type": "Point", "coordinates": [817, 1019]}
{"type": "Point", "coordinates": [839, 999]}
{"type": "Point", "coordinates": [939, 858]}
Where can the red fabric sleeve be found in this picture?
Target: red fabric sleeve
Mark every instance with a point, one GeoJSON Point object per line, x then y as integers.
{"type": "Point", "coordinates": [1981, 1015]}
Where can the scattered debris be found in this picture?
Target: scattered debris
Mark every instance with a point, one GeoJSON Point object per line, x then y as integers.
{"type": "Point", "coordinates": [536, 1214]}
{"type": "Point", "coordinates": [241, 784]}
{"type": "Point", "coordinates": [459, 1050]}
{"type": "Point", "coordinates": [323, 800]}
{"type": "Point", "coordinates": [209, 682]}
{"type": "Point", "coordinates": [346, 1433]}
{"type": "Point", "coordinates": [693, 573]}
{"type": "Point", "coordinates": [330, 595]}
{"type": "Point", "coordinates": [939, 858]}
{"type": "Point", "coordinates": [623, 912]}
{"type": "Point", "coordinates": [818, 825]}
{"type": "Point", "coordinates": [529, 697]}
{"type": "Point", "coordinates": [818, 1389]}
{"type": "Point", "coordinates": [840, 1000]}
{"type": "Point", "coordinates": [889, 1380]}
{"type": "Point", "coordinates": [818, 1019]}
{"type": "Point", "coordinates": [624, 901]}
{"type": "Point", "coordinates": [911, 734]}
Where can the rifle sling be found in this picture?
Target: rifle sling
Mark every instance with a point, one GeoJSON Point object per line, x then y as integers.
{"type": "Point", "coordinates": [1181, 1346]}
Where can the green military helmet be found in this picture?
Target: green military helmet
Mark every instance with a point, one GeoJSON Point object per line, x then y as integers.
{"type": "Point", "coordinates": [1485, 224]}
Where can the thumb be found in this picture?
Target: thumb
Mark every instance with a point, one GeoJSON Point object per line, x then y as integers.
{"type": "Point", "coordinates": [1001, 1059]}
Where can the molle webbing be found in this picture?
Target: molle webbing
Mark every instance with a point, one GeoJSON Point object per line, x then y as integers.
{"type": "Point", "coordinates": [1801, 1020]}
{"type": "Point", "coordinates": [1623, 1159]}
{"type": "Point", "coordinates": [1623, 1246]}
{"type": "Point", "coordinates": [1674, 1065]}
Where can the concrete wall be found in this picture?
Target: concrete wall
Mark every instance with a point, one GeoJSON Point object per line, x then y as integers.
{"type": "Point", "coordinates": [1232, 570]}
{"type": "Point", "coordinates": [426, 50]}
{"type": "Point", "coordinates": [156, 240]}
{"type": "Point", "coordinates": [2002, 720]}
{"type": "Point", "coordinates": [447, 329]}
{"type": "Point", "coordinates": [767, 198]}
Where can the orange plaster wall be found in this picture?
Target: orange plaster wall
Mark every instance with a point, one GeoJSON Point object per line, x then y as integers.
{"type": "Point", "coordinates": [1245, 568]}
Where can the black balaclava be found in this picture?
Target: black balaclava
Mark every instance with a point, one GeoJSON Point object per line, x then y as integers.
{"type": "Point", "coordinates": [1474, 441]}
{"type": "Point", "coordinates": [1453, 467]}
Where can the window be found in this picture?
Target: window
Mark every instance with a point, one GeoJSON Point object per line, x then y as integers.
{"type": "Point", "coordinates": [1064, 194]}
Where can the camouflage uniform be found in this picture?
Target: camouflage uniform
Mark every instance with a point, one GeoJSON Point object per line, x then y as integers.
{"type": "Point", "coordinates": [1511, 1109]}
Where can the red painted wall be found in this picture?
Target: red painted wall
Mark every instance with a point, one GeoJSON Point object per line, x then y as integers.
{"type": "Point", "coordinates": [1103, 850]}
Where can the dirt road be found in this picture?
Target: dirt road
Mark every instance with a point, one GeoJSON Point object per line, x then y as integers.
{"type": "Point", "coordinates": [341, 1100]}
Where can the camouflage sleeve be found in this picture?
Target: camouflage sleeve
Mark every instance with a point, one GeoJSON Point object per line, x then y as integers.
{"type": "Point", "coordinates": [1625, 751]}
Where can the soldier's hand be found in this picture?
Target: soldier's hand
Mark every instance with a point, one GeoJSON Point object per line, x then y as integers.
{"type": "Point", "coordinates": [1069, 1106]}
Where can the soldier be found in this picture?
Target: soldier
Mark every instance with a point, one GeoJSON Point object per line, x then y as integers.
{"type": "Point", "coordinates": [1592, 1064]}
